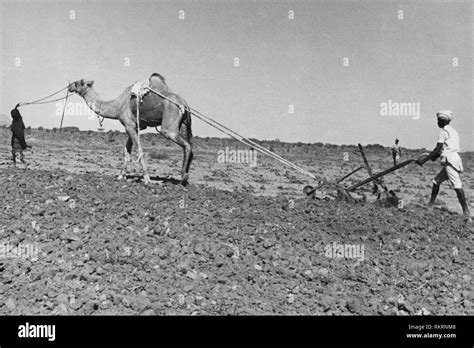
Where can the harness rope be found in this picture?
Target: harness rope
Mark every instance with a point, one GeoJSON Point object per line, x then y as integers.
{"type": "Point", "coordinates": [252, 144]}
{"type": "Point", "coordinates": [237, 136]}
{"type": "Point", "coordinates": [138, 129]}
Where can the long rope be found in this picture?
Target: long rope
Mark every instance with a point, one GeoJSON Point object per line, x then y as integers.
{"type": "Point", "coordinates": [253, 144]}
{"type": "Point", "coordinates": [40, 101]}
{"type": "Point", "coordinates": [43, 101]}
{"type": "Point", "coordinates": [249, 142]}
{"type": "Point", "coordinates": [238, 137]}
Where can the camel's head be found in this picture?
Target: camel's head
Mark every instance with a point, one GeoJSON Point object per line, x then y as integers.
{"type": "Point", "coordinates": [80, 87]}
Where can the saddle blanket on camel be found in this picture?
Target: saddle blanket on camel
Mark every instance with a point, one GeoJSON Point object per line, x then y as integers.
{"type": "Point", "coordinates": [140, 89]}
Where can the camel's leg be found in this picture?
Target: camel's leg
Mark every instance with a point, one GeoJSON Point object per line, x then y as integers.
{"type": "Point", "coordinates": [188, 155]}
{"type": "Point", "coordinates": [128, 158]}
{"type": "Point", "coordinates": [146, 176]}
{"type": "Point", "coordinates": [181, 140]}
{"type": "Point", "coordinates": [132, 131]}
{"type": "Point", "coordinates": [175, 130]}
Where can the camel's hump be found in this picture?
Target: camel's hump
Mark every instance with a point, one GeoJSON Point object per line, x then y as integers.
{"type": "Point", "coordinates": [157, 82]}
{"type": "Point", "coordinates": [158, 76]}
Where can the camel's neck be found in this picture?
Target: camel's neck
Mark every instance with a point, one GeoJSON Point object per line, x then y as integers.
{"type": "Point", "coordinates": [106, 109]}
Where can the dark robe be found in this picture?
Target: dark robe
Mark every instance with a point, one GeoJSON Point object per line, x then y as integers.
{"type": "Point", "coordinates": [18, 130]}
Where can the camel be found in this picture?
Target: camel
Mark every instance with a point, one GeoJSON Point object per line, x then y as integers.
{"type": "Point", "coordinates": [154, 110]}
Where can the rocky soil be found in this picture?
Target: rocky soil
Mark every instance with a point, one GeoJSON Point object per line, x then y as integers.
{"type": "Point", "coordinates": [240, 240]}
{"type": "Point", "coordinates": [103, 246]}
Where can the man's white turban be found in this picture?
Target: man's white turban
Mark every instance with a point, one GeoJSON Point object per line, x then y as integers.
{"type": "Point", "coordinates": [446, 115]}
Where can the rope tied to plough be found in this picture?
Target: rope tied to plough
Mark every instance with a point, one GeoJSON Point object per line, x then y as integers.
{"type": "Point", "coordinates": [238, 137]}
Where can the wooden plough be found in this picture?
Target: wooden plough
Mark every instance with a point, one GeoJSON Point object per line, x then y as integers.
{"type": "Point", "coordinates": [344, 193]}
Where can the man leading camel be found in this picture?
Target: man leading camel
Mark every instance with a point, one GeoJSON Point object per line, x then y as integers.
{"type": "Point", "coordinates": [447, 148]}
{"type": "Point", "coordinates": [18, 136]}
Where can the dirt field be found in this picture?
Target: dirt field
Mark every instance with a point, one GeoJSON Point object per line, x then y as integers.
{"type": "Point", "coordinates": [241, 239]}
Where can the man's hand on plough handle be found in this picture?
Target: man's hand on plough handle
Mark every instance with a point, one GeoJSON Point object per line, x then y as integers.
{"type": "Point", "coordinates": [433, 155]}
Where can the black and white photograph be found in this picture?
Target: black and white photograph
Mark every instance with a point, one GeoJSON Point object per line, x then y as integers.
{"type": "Point", "coordinates": [237, 158]}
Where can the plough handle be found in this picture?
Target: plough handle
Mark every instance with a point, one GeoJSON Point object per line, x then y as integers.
{"type": "Point", "coordinates": [348, 175]}
{"type": "Point", "coordinates": [378, 175]}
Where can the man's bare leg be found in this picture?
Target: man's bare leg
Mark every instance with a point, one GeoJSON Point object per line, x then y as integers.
{"type": "Point", "coordinates": [434, 194]}
{"type": "Point", "coordinates": [463, 202]}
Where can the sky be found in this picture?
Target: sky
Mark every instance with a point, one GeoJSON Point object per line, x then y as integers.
{"type": "Point", "coordinates": [327, 71]}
